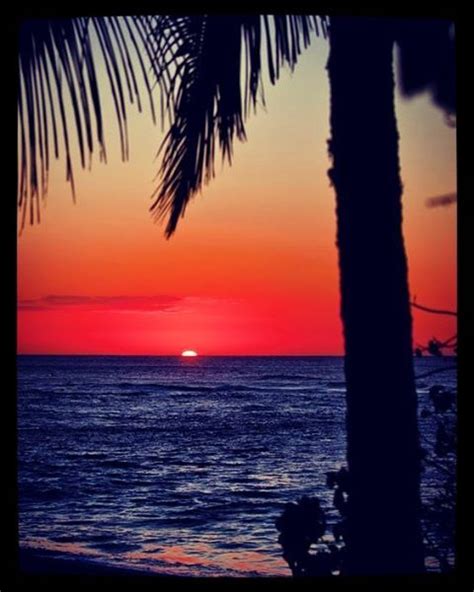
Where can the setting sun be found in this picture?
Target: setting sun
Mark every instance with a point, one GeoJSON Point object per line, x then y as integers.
{"type": "Point", "coordinates": [189, 353]}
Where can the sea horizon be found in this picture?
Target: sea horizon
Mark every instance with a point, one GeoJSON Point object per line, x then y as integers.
{"type": "Point", "coordinates": [63, 355]}
{"type": "Point", "coordinates": [179, 355]}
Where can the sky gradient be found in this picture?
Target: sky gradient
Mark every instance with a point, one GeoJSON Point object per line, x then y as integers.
{"type": "Point", "coordinates": [252, 268]}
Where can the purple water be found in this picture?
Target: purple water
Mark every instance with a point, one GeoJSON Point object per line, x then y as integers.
{"type": "Point", "coordinates": [181, 465]}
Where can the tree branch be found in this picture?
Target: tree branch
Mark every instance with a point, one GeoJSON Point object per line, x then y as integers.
{"type": "Point", "coordinates": [434, 310]}
{"type": "Point", "coordinates": [435, 372]}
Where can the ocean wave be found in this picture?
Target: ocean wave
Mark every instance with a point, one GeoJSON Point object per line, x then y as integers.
{"type": "Point", "coordinates": [119, 464]}
{"type": "Point", "coordinates": [256, 493]}
{"type": "Point", "coordinates": [86, 455]}
{"type": "Point", "coordinates": [148, 389]}
{"type": "Point", "coordinates": [286, 377]}
{"type": "Point", "coordinates": [151, 386]}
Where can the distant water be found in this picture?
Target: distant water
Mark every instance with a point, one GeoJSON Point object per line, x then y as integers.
{"type": "Point", "coordinates": [180, 465]}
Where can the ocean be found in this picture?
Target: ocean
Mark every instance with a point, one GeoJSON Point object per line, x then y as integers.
{"type": "Point", "coordinates": [181, 465]}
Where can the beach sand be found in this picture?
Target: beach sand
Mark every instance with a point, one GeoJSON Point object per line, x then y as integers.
{"type": "Point", "coordinates": [45, 562]}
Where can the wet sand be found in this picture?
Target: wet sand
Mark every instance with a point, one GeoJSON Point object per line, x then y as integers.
{"type": "Point", "coordinates": [44, 562]}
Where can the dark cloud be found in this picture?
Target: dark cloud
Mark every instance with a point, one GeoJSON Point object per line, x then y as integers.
{"type": "Point", "coordinates": [442, 200]}
{"type": "Point", "coordinates": [158, 303]}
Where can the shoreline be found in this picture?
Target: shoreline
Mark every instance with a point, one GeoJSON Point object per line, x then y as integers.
{"type": "Point", "coordinates": [46, 562]}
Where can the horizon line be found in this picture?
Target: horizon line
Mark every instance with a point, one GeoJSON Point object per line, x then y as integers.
{"type": "Point", "coordinates": [178, 355]}
{"type": "Point", "coordinates": [199, 355]}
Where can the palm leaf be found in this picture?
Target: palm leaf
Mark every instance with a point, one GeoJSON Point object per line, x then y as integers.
{"type": "Point", "coordinates": [57, 65]}
{"type": "Point", "coordinates": [198, 61]}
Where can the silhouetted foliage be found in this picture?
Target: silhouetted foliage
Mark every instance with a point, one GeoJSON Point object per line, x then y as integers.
{"type": "Point", "coordinates": [309, 551]}
{"type": "Point", "coordinates": [195, 59]}
{"type": "Point", "coordinates": [302, 525]}
{"type": "Point", "coordinates": [427, 61]}
{"type": "Point", "coordinates": [434, 346]}
{"type": "Point", "coordinates": [438, 517]}
{"type": "Point", "coordinates": [339, 481]}
{"type": "Point", "coordinates": [201, 56]}
{"type": "Point", "coordinates": [442, 398]}
{"type": "Point", "coordinates": [57, 62]}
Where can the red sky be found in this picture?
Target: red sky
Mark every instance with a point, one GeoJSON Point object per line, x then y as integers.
{"type": "Point", "coordinates": [252, 268]}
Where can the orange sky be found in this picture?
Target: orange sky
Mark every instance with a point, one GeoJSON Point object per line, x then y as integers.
{"type": "Point", "coordinates": [252, 268]}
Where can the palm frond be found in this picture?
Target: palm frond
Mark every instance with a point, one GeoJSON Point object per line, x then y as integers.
{"type": "Point", "coordinates": [198, 63]}
{"type": "Point", "coordinates": [57, 64]}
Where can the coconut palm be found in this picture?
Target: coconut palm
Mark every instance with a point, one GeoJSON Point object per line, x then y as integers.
{"type": "Point", "coordinates": [197, 61]}
{"type": "Point", "coordinates": [383, 447]}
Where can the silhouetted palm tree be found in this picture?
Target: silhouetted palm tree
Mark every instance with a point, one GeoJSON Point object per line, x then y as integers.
{"type": "Point", "coordinates": [197, 60]}
{"type": "Point", "coordinates": [383, 443]}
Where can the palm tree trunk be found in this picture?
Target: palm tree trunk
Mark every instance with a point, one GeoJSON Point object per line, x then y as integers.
{"type": "Point", "coordinates": [383, 534]}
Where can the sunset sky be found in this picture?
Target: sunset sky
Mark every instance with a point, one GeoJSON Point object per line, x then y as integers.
{"type": "Point", "coordinates": [252, 268]}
